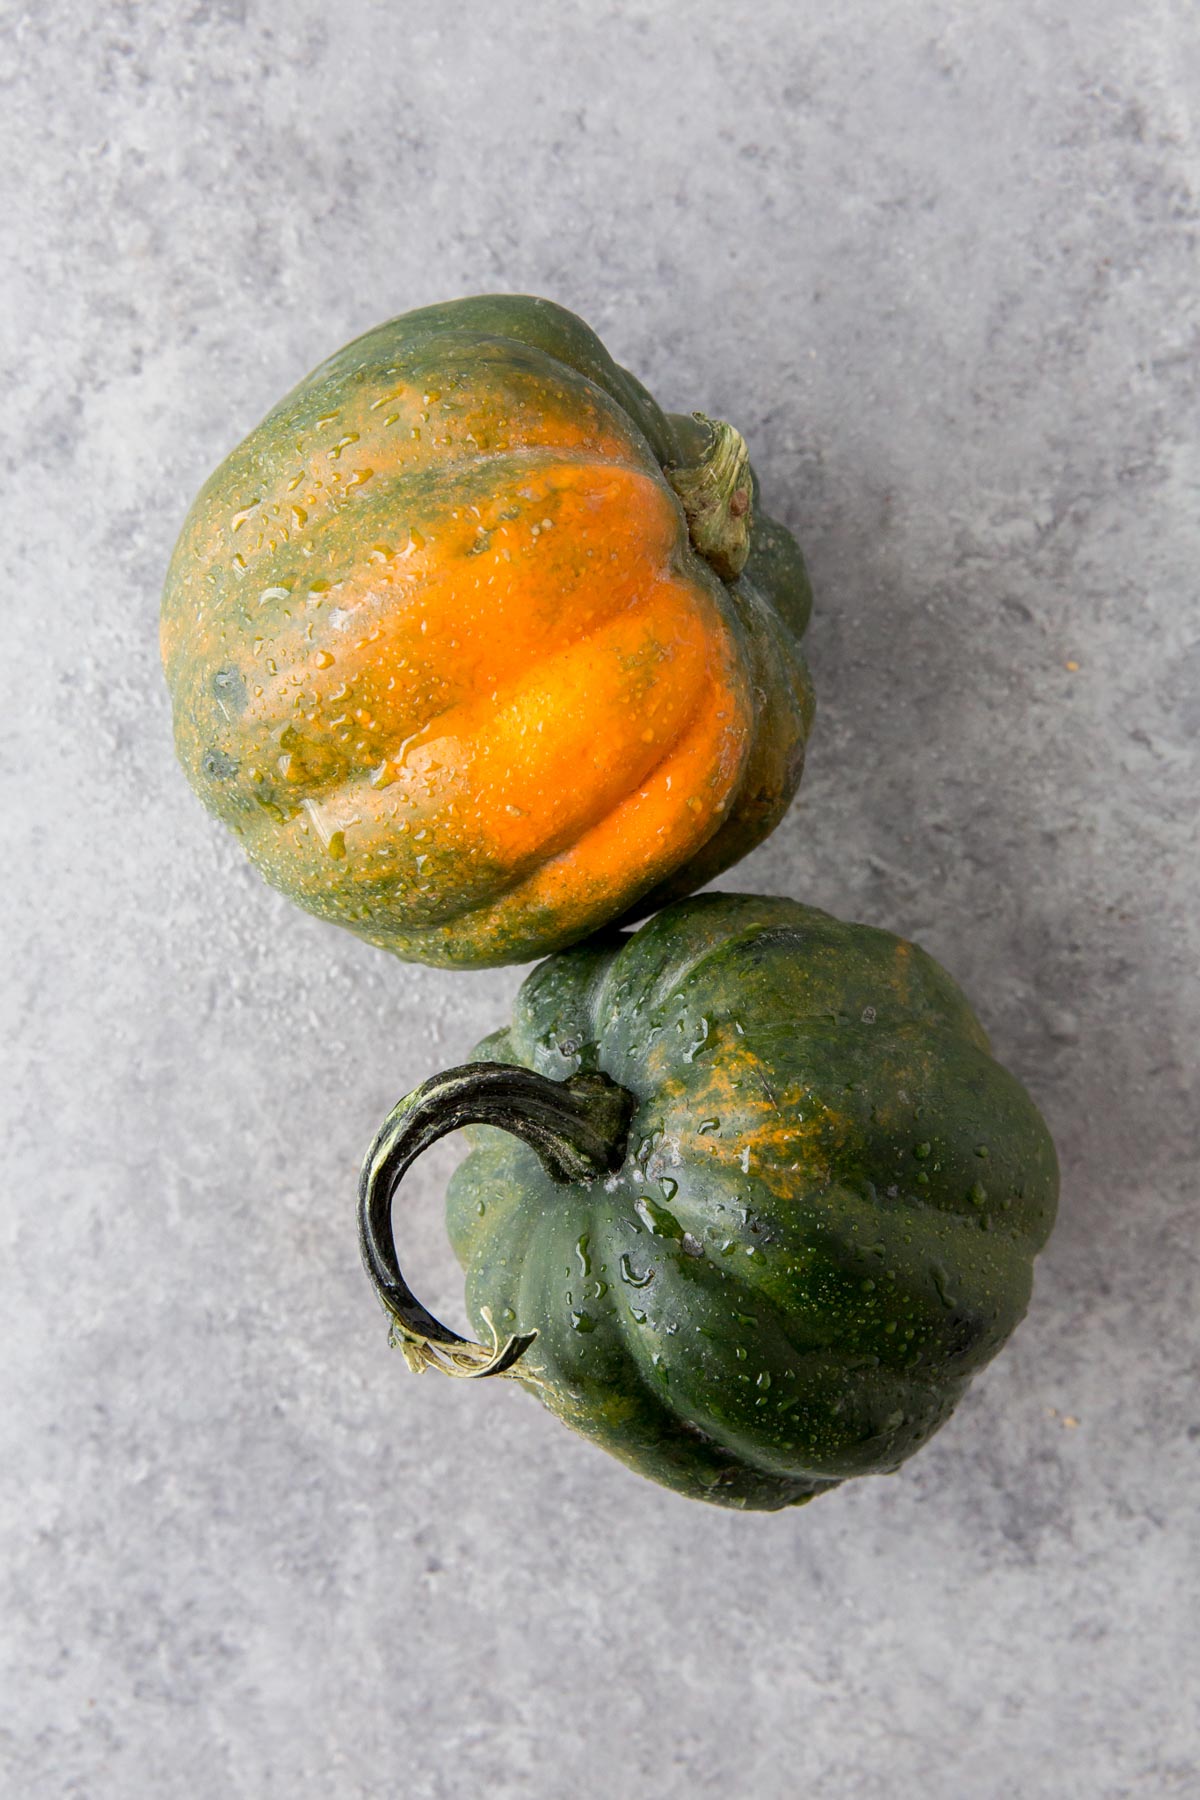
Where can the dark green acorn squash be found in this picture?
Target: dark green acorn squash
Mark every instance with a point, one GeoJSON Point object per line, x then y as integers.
{"type": "Point", "coordinates": [760, 1203]}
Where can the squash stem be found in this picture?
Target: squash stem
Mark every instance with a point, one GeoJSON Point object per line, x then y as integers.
{"type": "Point", "coordinates": [714, 486]}
{"type": "Point", "coordinates": [578, 1129]}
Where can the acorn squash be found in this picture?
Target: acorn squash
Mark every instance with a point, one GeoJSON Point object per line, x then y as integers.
{"type": "Point", "coordinates": [749, 1202]}
{"type": "Point", "coordinates": [476, 649]}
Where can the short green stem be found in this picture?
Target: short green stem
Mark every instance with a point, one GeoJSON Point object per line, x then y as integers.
{"type": "Point", "coordinates": [713, 483]}
{"type": "Point", "coordinates": [578, 1129]}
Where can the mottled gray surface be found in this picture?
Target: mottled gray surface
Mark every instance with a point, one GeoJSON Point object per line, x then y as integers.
{"type": "Point", "coordinates": [940, 261]}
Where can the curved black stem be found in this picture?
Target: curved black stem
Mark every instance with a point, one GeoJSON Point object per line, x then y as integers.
{"type": "Point", "coordinates": [577, 1127]}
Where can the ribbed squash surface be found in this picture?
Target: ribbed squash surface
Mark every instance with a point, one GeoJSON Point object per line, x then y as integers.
{"type": "Point", "coordinates": [443, 656]}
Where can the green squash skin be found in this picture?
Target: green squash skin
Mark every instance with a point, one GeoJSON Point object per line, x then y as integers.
{"type": "Point", "coordinates": [220, 624]}
{"type": "Point", "coordinates": [825, 1223]}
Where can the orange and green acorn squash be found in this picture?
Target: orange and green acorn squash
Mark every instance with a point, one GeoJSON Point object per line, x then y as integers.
{"type": "Point", "coordinates": [750, 1200]}
{"type": "Point", "coordinates": [477, 650]}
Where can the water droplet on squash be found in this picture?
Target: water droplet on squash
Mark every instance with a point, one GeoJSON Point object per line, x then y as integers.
{"type": "Point", "coordinates": [582, 1321]}
{"type": "Point", "coordinates": [218, 765]}
{"type": "Point", "coordinates": [657, 1219]}
{"type": "Point", "coordinates": [634, 1280]}
{"type": "Point", "coordinates": [229, 690]}
{"type": "Point", "coordinates": [337, 845]}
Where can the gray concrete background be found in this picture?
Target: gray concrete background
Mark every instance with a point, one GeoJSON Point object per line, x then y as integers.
{"type": "Point", "coordinates": [939, 261]}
